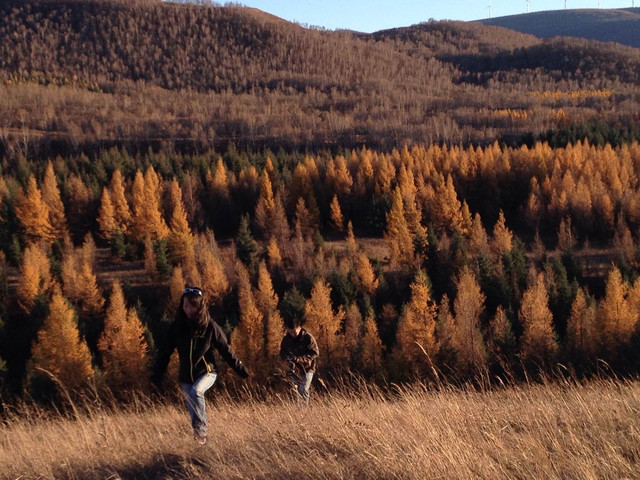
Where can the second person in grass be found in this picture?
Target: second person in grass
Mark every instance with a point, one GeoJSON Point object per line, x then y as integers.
{"type": "Point", "coordinates": [196, 336]}
{"type": "Point", "coordinates": [300, 350]}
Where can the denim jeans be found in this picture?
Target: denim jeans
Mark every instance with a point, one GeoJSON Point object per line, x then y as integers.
{"type": "Point", "coordinates": [195, 401]}
{"type": "Point", "coordinates": [303, 382]}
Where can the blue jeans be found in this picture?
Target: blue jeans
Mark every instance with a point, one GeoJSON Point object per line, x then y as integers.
{"type": "Point", "coordinates": [303, 383]}
{"type": "Point", "coordinates": [195, 401]}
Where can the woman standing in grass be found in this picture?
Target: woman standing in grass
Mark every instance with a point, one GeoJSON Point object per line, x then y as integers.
{"type": "Point", "coordinates": [196, 336]}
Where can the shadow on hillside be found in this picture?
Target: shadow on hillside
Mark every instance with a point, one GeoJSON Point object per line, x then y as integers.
{"type": "Point", "coordinates": [161, 467]}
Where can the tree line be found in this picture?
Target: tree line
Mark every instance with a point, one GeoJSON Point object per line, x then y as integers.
{"type": "Point", "coordinates": [421, 262]}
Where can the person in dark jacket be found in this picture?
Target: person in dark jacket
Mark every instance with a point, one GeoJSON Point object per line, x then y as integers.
{"type": "Point", "coordinates": [195, 335]}
{"type": "Point", "coordinates": [300, 350]}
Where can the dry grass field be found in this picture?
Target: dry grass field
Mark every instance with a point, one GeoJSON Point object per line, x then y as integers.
{"type": "Point", "coordinates": [556, 430]}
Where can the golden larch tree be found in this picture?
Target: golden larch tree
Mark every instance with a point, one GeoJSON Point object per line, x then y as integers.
{"type": "Point", "coordinates": [35, 276]}
{"type": "Point", "coordinates": [59, 349]}
{"type": "Point", "coordinates": [372, 349]}
{"type": "Point", "coordinates": [502, 236]}
{"type": "Point", "coordinates": [468, 306]}
{"type": "Point", "coordinates": [274, 256]}
{"type": "Point", "coordinates": [478, 238]}
{"type": "Point", "coordinates": [337, 220]}
{"type": "Point", "coordinates": [180, 238]}
{"type": "Point", "coordinates": [616, 318]}
{"type": "Point", "coordinates": [367, 280]}
{"type": "Point", "coordinates": [248, 336]}
{"type": "Point", "coordinates": [51, 198]}
{"type": "Point", "coordinates": [211, 274]}
{"type": "Point", "coordinates": [302, 219]}
{"type": "Point", "coordinates": [502, 340]}
{"type": "Point", "coordinates": [267, 302]}
{"type": "Point", "coordinates": [118, 198]}
{"type": "Point", "coordinates": [33, 213]}
{"type": "Point", "coordinates": [582, 338]}
{"type": "Point", "coordinates": [147, 216]}
{"type": "Point", "coordinates": [219, 182]}
{"type": "Point", "coordinates": [364, 175]}
{"type": "Point", "coordinates": [448, 209]}
{"type": "Point", "coordinates": [416, 344]}
{"type": "Point", "coordinates": [325, 325]}
{"type": "Point", "coordinates": [385, 174]}
{"type": "Point", "coordinates": [106, 216]}
{"type": "Point", "coordinates": [352, 246]}
{"type": "Point", "coordinates": [338, 177]}
{"type": "Point", "coordinates": [265, 205]}
{"type": "Point", "coordinates": [538, 343]}
{"type": "Point", "coordinates": [124, 349]}
{"type": "Point", "coordinates": [412, 214]}
{"type": "Point", "coordinates": [397, 233]}
{"type": "Point", "coordinates": [467, 219]}
{"type": "Point", "coordinates": [89, 297]}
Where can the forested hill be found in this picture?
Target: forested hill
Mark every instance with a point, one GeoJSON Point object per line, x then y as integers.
{"type": "Point", "coordinates": [606, 25]}
{"type": "Point", "coordinates": [203, 75]}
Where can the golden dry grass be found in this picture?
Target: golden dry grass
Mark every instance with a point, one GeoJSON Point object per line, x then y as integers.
{"type": "Point", "coordinates": [561, 430]}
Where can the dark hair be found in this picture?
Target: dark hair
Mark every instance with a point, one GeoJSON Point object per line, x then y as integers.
{"type": "Point", "coordinates": [293, 322]}
{"type": "Point", "coordinates": [201, 319]}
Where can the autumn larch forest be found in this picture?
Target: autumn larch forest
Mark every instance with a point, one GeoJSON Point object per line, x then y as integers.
{"type": "Point", "coordinates": [446, 200]}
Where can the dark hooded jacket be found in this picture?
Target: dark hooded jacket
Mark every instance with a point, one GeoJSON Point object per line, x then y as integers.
{"type": "Point", "coordinates": [301, 351]}
{"type": "Point", "coordinates": [196, 352]}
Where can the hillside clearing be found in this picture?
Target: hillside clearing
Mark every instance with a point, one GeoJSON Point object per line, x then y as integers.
{"type": "Point", "coordinates": [531, 431]}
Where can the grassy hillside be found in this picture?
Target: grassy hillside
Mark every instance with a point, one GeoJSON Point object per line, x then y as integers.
{"type": "Point", "coordinates": [537, 431]}
{"type": "Point", "coordinates": [619, 25]}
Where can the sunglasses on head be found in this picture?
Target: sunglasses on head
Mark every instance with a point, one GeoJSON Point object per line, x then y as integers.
{"type": "Point", "coordinates": [193, 290]}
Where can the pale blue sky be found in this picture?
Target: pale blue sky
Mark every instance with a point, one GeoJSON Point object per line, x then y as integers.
{"type": "Point", "coordinates": [373, 15]}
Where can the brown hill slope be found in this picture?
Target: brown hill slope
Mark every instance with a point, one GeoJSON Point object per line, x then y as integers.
{"type": "Point", "coordinates": [152, 72]}
{"type": "Point", "coordinates": [605, 25]}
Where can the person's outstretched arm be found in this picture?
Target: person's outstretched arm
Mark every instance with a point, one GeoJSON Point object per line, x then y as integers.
{"type": "Point", "coordinates": [222, 345]}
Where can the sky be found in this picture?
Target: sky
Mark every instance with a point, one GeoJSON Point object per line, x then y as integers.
{"type": "Point", "coordinates": [372, 15]}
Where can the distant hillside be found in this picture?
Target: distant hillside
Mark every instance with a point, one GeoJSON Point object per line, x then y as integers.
{"type": "Point", "coordinates": [454, 38]}
{"type": "Point", "coordinates": [79, 72]}
{"type": "Point", "coordinates": [614, 25]}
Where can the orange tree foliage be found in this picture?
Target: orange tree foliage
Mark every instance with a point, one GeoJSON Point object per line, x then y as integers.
{"type": "Point", "coordinates": [123, 346]}
{"type": "Point", "coordinates": [33, 213]}
{"type": "Point", "coordinates": [248, 338]}
{"type": "Point", "coordinates": [416, 343]}
{"type": "Point", "coordinates": [267, 302]}
{"type": "Point", "coordinates": [549, 188]}
{"type": "Point", "coordinates": [35, 276]}
{"type": "Point", "coordinates": [59, 351]}
{"type": "Point", "coordinates": [325, 324]}
{"type": "Point", "coordinates": [539, 341]}
{"type": "Point", "coordinates": [471, 353]}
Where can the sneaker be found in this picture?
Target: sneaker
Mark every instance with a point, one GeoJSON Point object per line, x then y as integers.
{"type": "Point", "coordinates": [200, 438]}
